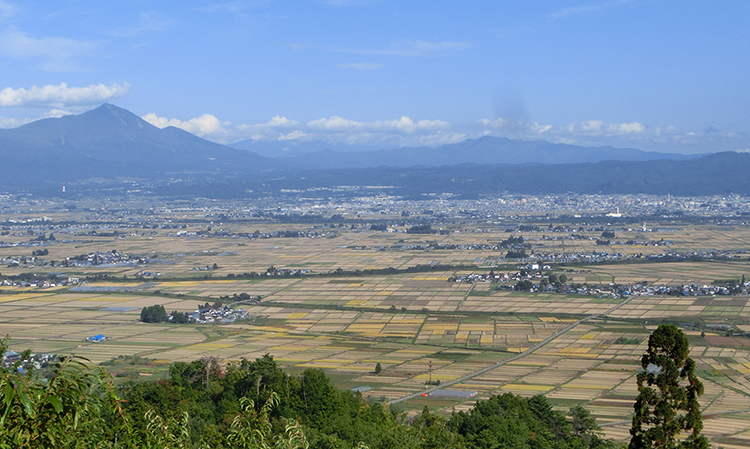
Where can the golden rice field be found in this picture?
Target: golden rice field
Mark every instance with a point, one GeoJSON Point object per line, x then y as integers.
{"type": "Point", "coordinates": [418, 326]}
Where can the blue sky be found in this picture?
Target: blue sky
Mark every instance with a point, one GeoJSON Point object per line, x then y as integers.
{"type": "Point", "coordinates": [651, 74]}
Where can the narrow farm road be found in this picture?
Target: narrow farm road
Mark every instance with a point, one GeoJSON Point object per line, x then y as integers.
{"type": "Point", "coordinates": [529, 351]}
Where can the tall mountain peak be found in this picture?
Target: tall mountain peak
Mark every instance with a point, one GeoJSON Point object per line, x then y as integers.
{"type": "Point", "coordinates": [113, 142]}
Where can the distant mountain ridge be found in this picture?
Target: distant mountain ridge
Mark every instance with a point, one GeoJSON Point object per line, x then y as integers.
{"type": "Point", "coordinates": [110, 143]}
{"type": "Point", "coordinates": [715, 174]}
{"type": "Point", "coordinates": [288, 150]}
{"type": "Point", "coordinates": [484, 150]}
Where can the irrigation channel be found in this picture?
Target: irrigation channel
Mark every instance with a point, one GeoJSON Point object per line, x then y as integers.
{"type": "Point", "coordinates": [512, 359]}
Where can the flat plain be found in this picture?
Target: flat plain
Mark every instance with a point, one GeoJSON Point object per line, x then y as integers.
{"type": "Point", "coordinates": [418, 325]}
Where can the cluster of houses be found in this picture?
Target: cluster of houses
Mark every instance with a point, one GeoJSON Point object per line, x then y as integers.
{"type": "Point", "coordinates": [41, 283]}
{"type": "Point", "coordinates": [257, 235]}
{"type": "Point", "coordinates": [108, 258]}
{"type": "Point", "coordinates": [37, 361]}
{"type": "Point", "coordinates": [533, 280]}
{"type": "Point", "coordinates": [284, 272]}
{"type": "Point", "coordinates": [620, 291]}
{"type": "Point", "coordinates": [221, 315]}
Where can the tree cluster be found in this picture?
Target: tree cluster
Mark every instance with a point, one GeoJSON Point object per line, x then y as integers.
{"type": "Point", "coordinates": [154, 314]}
{"type": "Point", "coordinates": [516, 254]}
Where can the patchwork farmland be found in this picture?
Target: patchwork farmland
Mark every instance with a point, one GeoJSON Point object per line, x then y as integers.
{"type": "Point", "coordinates": [419, 326]}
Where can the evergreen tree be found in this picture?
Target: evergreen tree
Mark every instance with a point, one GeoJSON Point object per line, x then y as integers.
{"type": "Point", "coordinates": [154, 314]}
{"type": "Point", "coordinates": [668, 390]}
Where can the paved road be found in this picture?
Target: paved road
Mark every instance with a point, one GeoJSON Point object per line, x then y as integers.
{"type": "Point", "coordinates": [506, 361]}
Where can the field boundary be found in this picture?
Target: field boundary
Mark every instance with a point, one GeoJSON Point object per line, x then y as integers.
{"type": "Point", "coordinates": [529, 351]}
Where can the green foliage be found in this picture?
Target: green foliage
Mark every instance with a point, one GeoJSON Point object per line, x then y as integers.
{"type": "Point", "coordinates": [523, 286]}
{"type": "Point", "coordinates": [584, 425]}
{"type": "Point", "coordinates": [167, 434]}
{"type": "Point", "coordinates": [254, 404]}
{"type": "Point", "coordinates": [420, 229]}
{"type": "Point", "coordinates": [510, 421]}
{"type": "Point", "coordinates": [76, 407]}
{"type": "Point", "coordinates": [179, 317]}
{"type": "Point", "coordinates": [252, 429]}
{"type": "Point", "coordinates": [154, 314]}
{"type": "Point", "coordinates": [668, 390]}
{"type": "Point", "coordinates": [516, 254]}
{"type": "Point", "coordinates": [378, 368]}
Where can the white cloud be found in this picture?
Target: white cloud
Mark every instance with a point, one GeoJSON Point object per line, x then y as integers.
{"type": "Point", "coordinates": [361, 66]}
{"type": "Point", "coordinates": [10, 122]}
{"type": "Point", "coordinates": [7, 10]}
{"type": "Point", "coordinates": [403, 125]}
{"type": "Point", "coordinates": [599, 128]}
{"type": "Point", "coordinates": [589, 128]}
{"type": "Point", "coordinates": [148, 22]}
{"type": "Point", "coordinates": [277, 121]}
{"type": "Point", "coordinates": [56, 113]}
{"type": "Point", "coordinates": [62, 95]}
{"type": "Point", "coordinates": [211, 128]}
{"type": "Point", "coordinates": [294, 135]}
{"type": "Point", "coordinates": [333, 123]}
{"type": "Point", "coordinates": [206, 124]}
{"type": "Point", "coordinates": [597, 132]}
{"type": "Point", "coordinates": [397, 132]}
{"type": "Point", "coordinates": [13, 122]}
{"type": "Point", "coordinates": [405, 131]}
{"type": "Point", "coordinates": [57, 54]}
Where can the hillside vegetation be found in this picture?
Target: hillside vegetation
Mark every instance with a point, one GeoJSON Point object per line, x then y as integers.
{"type": "Point", "coordinates": [254, 404]}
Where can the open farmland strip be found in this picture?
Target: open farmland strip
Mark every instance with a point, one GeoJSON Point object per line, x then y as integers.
{"type": "Point", "coordinates": [512, 359]}
{"type": "Point", "coordinates": [473, 284]}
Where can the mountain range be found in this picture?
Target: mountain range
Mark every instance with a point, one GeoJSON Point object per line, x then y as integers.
{"type": "Point", "coordinates": [484, 150]}
{"type": "Point", "coordinates": [112, 144]}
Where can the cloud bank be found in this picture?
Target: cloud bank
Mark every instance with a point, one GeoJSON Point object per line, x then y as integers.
{"type": "Point", "coordinates": [61, 96]}
{"type": "Point", "coordinates": [626, 134]}
{"type": "Point", "coordinates": [397, 132]}
{"type": "Point", "coordinates": [406, 131]}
